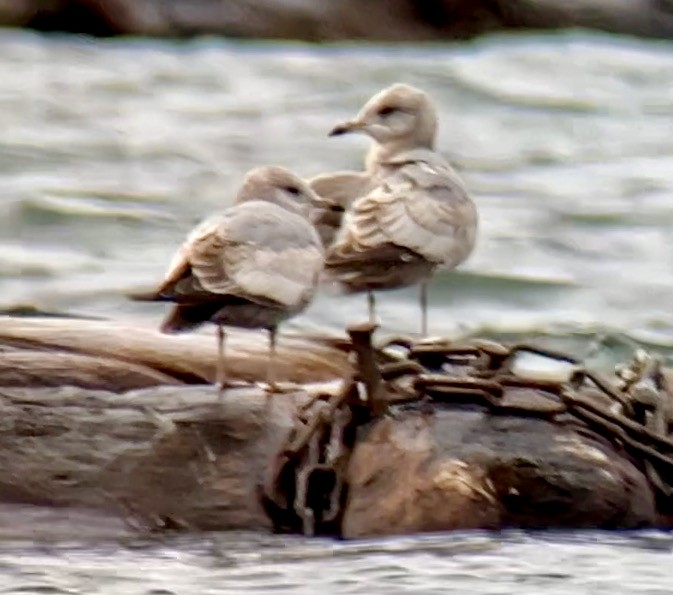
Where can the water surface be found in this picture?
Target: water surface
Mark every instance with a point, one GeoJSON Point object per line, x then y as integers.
{"type": "Point", "coordinates": [476, 563]}
{"type": "Point", "coordinates": [112, 150]}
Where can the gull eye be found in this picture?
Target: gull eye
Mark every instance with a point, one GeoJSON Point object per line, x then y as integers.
{"type": "Point", "coordinates": [292, 190]}
{"type": "Point", "coordinates": [386, 111]}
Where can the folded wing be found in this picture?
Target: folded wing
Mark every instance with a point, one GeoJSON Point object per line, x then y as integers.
{"type": "Point", "coordinates": [421, 211]}
{"type": "Point", "coordinates": [256, 251]}
{"type": "Point", "coordinates": [337, 190]}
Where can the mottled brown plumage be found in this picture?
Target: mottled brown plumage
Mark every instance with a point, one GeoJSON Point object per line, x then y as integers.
{"type": "Point", "coordinates": [254, 265]}
{"type": "Point", "coordinates": [414, 214]}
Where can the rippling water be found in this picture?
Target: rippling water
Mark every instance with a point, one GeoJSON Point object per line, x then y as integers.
{"type": "Point", "coordinates": [111, 151]}
{"type": "Point", "coordinates": [460, 564]}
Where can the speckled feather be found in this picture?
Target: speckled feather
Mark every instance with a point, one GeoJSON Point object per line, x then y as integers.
{"type": "Point", "coordinates": [252, 266]}
{"type": "Point", "coordinates": [418, 219]}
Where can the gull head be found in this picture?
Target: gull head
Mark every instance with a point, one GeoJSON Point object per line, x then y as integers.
{"type": "Point", "coordinates": [278, 185]}
{"type": "Point", "coordinates": [401, 114]}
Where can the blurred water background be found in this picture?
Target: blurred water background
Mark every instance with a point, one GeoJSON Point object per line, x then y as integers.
{"type": "Point", "coordinates": [112, 150]}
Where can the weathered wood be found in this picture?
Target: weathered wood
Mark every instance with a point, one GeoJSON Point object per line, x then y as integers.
{"type": "Point", "coordinates": [75, 432]}
{"type": "Point", "coordinates": [163, 455]}
{"type": "Point", "coordinates": [467, 470]}
{"type": "Point", "coordinates": [172, 455]}
{"type": "Point", "coordinates": [145, 353]}
{"type": "Point", "coordinates": [62, 369]}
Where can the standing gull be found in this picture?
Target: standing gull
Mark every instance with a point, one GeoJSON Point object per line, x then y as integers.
{"type": "Point", "coordinates": [252, 266]}
{"type": "Point", "coordinates": [415, 215]}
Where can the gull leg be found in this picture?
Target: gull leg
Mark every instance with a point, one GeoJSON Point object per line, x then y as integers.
{"type": "Point", "coordinates": [271, 366]}
{"type": "Point", "coordinates": [221, 374]}
{"type": "Point", "coordinates": [371, 304]}
{"type": "Point", "coordinates": [423, 300]}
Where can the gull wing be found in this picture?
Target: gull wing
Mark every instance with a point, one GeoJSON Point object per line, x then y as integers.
{"type": "Point", "coordinates": [341, 188]}
{"type": "Point", "coordinates": [258, 251]}
{"type": "Point", "coordinates": [422, 209]}
{"type": "Point", "coordinates": [337, 190]}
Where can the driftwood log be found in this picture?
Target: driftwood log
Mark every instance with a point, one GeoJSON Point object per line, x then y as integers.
{"type": "Point", "coordinates": [98, 417]}
{"type": "Point", "coordinates": [320, 20]}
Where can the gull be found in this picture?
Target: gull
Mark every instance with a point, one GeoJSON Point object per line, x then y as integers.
{"type": "Point", "coordinates": [252, 266]}
{"type": "Point", "coordinates": [411, 213]}
{"type": "Point", "coordinates": [336, 190]}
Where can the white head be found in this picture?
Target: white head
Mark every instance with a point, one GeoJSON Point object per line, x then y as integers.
{"type": "Point", "coordinates": [400, 115]}
{"type": "Point", "coordinates": [278, 185]}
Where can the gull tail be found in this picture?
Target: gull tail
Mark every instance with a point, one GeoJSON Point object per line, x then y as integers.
{"type": "Point", "coordinates": [148, 296]}
{"type": "Point", "coordinates": [186, 317]}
